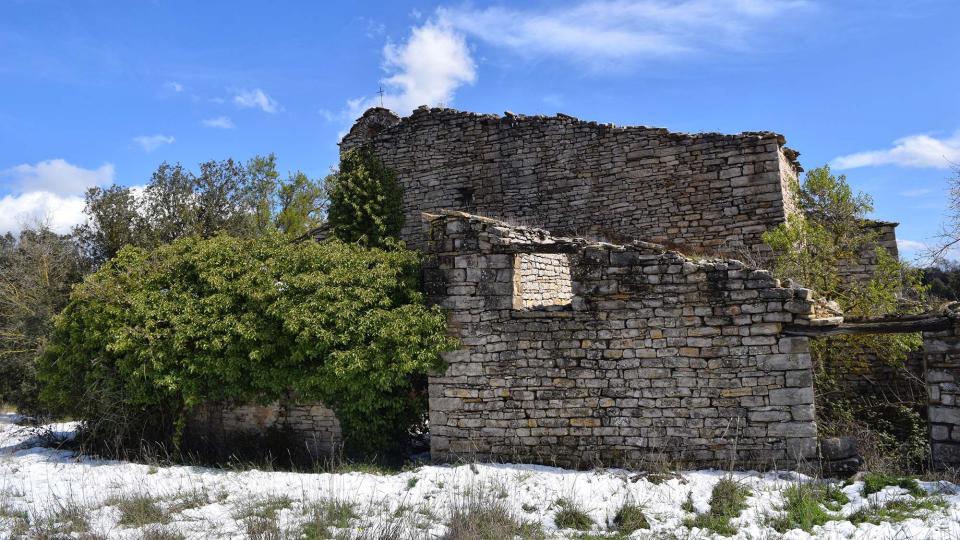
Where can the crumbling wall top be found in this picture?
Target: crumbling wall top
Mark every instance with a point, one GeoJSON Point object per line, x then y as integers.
{"type": "Point", "coordinates": [378, 119]}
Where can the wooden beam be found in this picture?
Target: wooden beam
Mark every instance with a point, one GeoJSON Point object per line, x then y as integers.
{"type": "Point", "coordinates": [886, 325]}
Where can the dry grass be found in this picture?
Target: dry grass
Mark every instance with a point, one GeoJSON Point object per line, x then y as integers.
{"type": "Point", "coordinates": [137, 510]}
{"type": "Point", "coordinates": [479, 515]}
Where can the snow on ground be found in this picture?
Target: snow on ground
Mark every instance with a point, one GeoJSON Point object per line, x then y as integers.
{"type": "Point", "coordinates": [41, 480]}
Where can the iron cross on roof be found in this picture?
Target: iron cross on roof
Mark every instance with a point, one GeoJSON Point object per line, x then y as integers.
{"type": "Point", "coordinates": [381, 95]}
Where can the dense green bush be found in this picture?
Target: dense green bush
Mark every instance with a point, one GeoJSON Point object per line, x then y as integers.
{"type": "Point", "coordinates": [153, 334]}
{"type": "Point", "coordinates": [365, 200]}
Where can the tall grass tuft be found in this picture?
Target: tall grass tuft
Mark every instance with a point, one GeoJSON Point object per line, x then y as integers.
{"type": "Point", "coordinates": [629, 518]}
{"type": "Point", "coordinates": [481, 516]}
{"type": "Point", "coordinates": [571, 515]}
{"type": "Point", "coordinates": [727, 500]}
{"type": "Point", "coordinates": [138, 510]}
{"type": "Point", "coordinates": [326, 513]}
{"type": "Point", "coordinates": [807, 505]}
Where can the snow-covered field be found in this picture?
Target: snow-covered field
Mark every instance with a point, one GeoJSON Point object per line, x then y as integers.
{"type": "Point", "coordinates": [41, 485]}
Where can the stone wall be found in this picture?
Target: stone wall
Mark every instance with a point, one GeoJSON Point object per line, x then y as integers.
{"type": "Point", "coordinates": [870, 380]}
{"type": "Point", "coordinates": [657, 357]}
{"type": "Point", "coordinates": [312, 426]}
{"type": "Point", "coordinates": [541, 279]}
{"type": "Point", "coordinates": [865, 266]}
{"type": "Point", "coordinates": [942, 370]}
{"type": "Point", "coordinates": [701, 193]}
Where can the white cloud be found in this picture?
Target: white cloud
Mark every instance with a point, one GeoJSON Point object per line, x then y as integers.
{"type": "Point", "coordinates": [602, 33]}
{"type": "Point", "coordinates": [910, 245]}
{"type": "Point", "coordinates": [374, 29]}
{"type": "Point", "coordinates": [426, 70]}
{"type": "Point", "coordinates": [173, 86]}
{"type": "Point", "coordinates": [221, 122]}
{"type": "Point", "coordinates": [916, 192]}
{"type": "Point", "coordinates": [256, 98]}
{"type": "Point", "coordinates": [910, 151]}
{"type": "Point", "coordinates": [331, 116]}
{"type": "Point", "coordinates": [57, 176]}
{"type": "Point", "coordinates": [61, 213]}
{"type": "Point", "coordinates": [152, 142]}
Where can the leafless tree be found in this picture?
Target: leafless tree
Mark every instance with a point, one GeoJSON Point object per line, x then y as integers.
{"type": "Point", "coordinates": [949, 236]}
{"type": "Point", "coordinates": [37, 269]}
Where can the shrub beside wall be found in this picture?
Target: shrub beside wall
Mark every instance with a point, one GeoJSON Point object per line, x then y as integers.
{"type": "Point", "coordinates": [152, 335]}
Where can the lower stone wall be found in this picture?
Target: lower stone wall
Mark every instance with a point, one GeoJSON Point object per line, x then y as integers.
{"type": "Point", "coordinates": [658, 357]}
{"type": "Point", "coordinates": [313, 427]}
{"type": "Point", "coordinates": [942, 365]}
{"type": "Point", "coordinates": [863, 268]}
{"type": "Point", "coordinates": [869, 379]}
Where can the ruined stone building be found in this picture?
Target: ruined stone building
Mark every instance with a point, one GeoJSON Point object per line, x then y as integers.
{"type": "Point", "coordinates": [592, 275]}
{"type": "Point", "coordinates": [703, 193]}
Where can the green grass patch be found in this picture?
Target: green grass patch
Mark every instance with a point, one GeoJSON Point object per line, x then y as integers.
{"type": "Point", "coordinates": [874, 482]}
{"type": "Point", "coordinates": [727, 500]}
{"type": "Point", "coordinates": [629, 518]}
{"type": "Point", "coordinates": [138, 510]}
{"type": "Point", "coordinates": [897, 510]}
{"type": "Point", "coordinates": [570, 515]}
{"type": "Point", "coordinates": [807, 505]}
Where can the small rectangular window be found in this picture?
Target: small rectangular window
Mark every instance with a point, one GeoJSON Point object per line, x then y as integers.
{"type": "Point", "coordinates": [541, 280]}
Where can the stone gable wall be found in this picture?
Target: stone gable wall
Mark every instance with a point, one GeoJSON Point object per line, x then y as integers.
{"type": "Point", "coordinates": [863, 269]}
{"type": "Point", "coordinates": [658, 356]}
{"type": "Point", "coordinates": [702, 193]}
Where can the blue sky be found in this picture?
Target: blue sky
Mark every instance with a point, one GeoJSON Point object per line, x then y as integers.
{"type": "Point", "coordinates": [96, 92]}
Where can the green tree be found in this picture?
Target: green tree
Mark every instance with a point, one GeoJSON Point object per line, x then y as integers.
{"type": "Point", "coordinates": [224, 197]}
{"type": "Point", "coordinates": [153, 334]}
{"type": "Point", "coordinates": [943, 280]}
{"type": "Point", "coordinates": [831, 232]}
{"type": "Point", "coordinates": [166, 209]}
{"type": "Point", "coordinates": [113, 221]}
{"type": "Point", "coordinates": [300, 203]}
{"type": "Point", "coordinates": [365, 200]}
{"type": "Point", "coordinates": [813, 247]}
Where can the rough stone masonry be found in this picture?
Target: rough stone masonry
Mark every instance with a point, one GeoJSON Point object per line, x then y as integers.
{"type": "Point", "coordinates": [655, 356]}
{"type": "Point", "coordinates": [700, 193]}
{"type": "Point", "coordinates": [578, 352]}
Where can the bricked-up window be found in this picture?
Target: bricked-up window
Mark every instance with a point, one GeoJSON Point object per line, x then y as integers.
{"type": "Point", "coordinates": [541, 280]}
